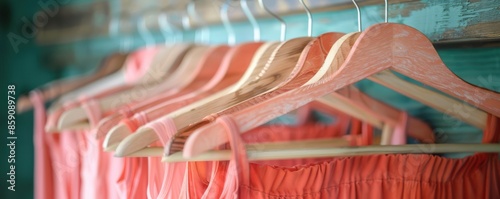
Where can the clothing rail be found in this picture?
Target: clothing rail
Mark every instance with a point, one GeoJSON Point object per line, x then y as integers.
{"type": "Point", "coordinates": [454, 21]}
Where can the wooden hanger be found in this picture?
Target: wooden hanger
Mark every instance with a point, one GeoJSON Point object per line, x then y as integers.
{"type": "Point", "coordinates": [379, 115]}
{"type": "Point", "coordinates": [117, 78]}
{"type": "Point", "coordinates": [54, 89]}
{"type": "Point", "coordinates": [320, 149]}
{"type": "Point", "coordinates": [255, 68]}
{"type": "Point", "coordinates": [380, 47]}
{"type": "Point", "coordinates": [234, 68]}
{"type": "Point", "coordinates": [359, 105]}
{"type": "Point", "coordinates": [304, 58]}
{"type": "Point", "coordinates": [114, 83]}
{"type": "Point", "coordinates": [313, 55]}
{"type": "Point", "coordinates": [280, 65]}
{"type": "Point", "coordinates": [335, 100]}
{"type": "Point", "coordinates": [180, 78]}
{"type": "Point", "coordinates": [110, 84]}
{"type": "Point", "coordinates": [213, 75]}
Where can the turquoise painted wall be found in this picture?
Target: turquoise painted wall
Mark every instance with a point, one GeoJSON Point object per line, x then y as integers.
{"type": "Point", "coordinates": [30, 68]}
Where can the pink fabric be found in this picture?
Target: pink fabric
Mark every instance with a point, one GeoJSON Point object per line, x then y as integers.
{"type": "Point", "coordinates": [104, 176]}
{"type": "Point", "coordinates": [138, 63]}
{"type": "Point", "coordinates": [164, 180]}
{"type": "Point", "coordinates": [373, 176]}
{"type": "Point", "coordinates": [72, 164]}
{"type": "Point", "coordinates": [43, 181]}
{"type": "Point", "coordinates": [222, 178]}
{"type": "Point", "coordinates": [399, 135]}
{"type": "Point", "coordinates": [158, 105]}
{"type": "Point", "coordinates": [57, 159]}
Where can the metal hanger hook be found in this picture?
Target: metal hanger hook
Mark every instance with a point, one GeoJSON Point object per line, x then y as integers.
{"type": "Point", "coordinates": [359, 15]}
{"type": "Point", "coordinates": [227, 24]}
{"type": "Point", "coordinates": [144, 32]}
{"type": "Point", "coordinates": [309, 18]}
{"type": "Point", "coordinates": [386, 11]}
{"type": "Point", "coordinates": [199, 32]}
{"type": "Point", "coordinates": [251, 18]}
{"type": "Point", "coordinates": [166, 27]}
{"type": "Point", "coordinates": [283, 24]}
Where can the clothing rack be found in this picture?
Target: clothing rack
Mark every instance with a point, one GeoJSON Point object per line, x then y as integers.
{"type": "Point", "coordinates": [177, 112]}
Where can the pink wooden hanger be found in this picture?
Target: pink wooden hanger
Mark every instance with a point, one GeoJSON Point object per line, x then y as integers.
{"type": "Point", "coordinates": [239, 58]}
{"type": "Point", "coordinates": [150, 85]}
{"type": "Point", "coordinates": [231, 68]}
{"type": "Point", "coordinates": [210, 60]}
{"type": "Point", "coordinates": [278, 68]}
{"type": "Point", "coordinates": [182, 76]}
{"type": "Point", "coordinates": [383, 46]}
{"type": "Point", "coordinates": [54, 89]}
{"type": "Point", "coordinates": [312, 61]}
{"type": "Point", "coordinates": [112, 84]}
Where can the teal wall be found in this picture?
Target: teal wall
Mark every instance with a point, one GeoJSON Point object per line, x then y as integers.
{"type": "Point", "coordinates": [32, 66]}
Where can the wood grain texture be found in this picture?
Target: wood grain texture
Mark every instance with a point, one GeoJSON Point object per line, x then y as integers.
{"type": "Point", "coordinates": [290, 65]}
{"type": "Point", "coordinates": [406, 51]}
{"type": "Point", "coordinates": [239, 58]}
{"type": "Point", "coordinates": [149, 84]}
{"type": "Point", "coordinates": [291, 150]}
{"type": "Point", "coordinates": [212, 73]}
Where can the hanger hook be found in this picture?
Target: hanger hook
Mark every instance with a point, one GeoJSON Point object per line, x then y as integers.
{"type": "Point", "coordinates": [251, 18]}
{"type": "Point", "coordinates": [309, 18]}
{"type": "Point", "coordinates": [386, 10]}
{"type": "Point", "coordinates": [184, 26]}
{"type": "Point", "coordinates": [227, 24]}
{"type": "Point", "coordinates": [144, 32]}
{"type": "Point", "coordinates": [283, 24]}
{"type": "Point", "coordinates": [198, 34]}
{"type": "Point", "coordinates": [204, 30]}
{"type": "Point", "coordinates": [359, 15]}
{"type": "Point", "coordinates": [165, 26]}
{"type": "Point", "coordinates": [128, 42]}
{"type": "Point", "coordinates": [113, 32]}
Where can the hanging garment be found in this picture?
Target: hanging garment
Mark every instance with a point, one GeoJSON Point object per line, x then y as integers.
{"type": "Point", "coordinates": [62, 157]}
{"type": "Point", "coordinates": [139, 63]}
{"type": "Point", "coordinates": [104, 176]}
{"type": "Point", "coordinates": [373, 176]}
{"type": "Point", "coordinates": [164, 180]}
{"type": "Point", "coordinates": [57, 158]}
{"type": "Point", "coordinates": [136, 66]}
{"type": "Point", "coordinates": [203, 184]}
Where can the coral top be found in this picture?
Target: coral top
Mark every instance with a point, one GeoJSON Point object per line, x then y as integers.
{"type": "Point", "coordinates": [72, 164]}
{"type": "Point", "coordinates": [371, 176]}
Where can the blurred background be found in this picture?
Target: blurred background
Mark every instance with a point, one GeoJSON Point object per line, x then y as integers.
{"type": "Point", "coordinates": [45, 40]}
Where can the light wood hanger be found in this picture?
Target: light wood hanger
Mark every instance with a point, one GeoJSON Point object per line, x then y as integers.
{"type": "Point", "coordinates": [113, 83]}
{"type": "Point", "coordinates": [278, 67]}
{"type": "Point", "coordinates": [365, 108]}
{"type": "Point", "coordinates": [180, 78]}
{"type": "Point", "coordinates": [52, 90]}
{"type": "Point", "coordinates": [156, 75]}
{"type": "Point", "coordinates": [305, 59]}
{"type": "Point", "coordinates": [339, 102]}
{"type": "Point", "coordinates": [382, 119]}
{"type": "Point", "coordinates": [118, 79]}
{"type": "Point", "coordinates": [314, 56]}
{"type": "Point", "coordinates": [388, 42]}
{"type": "Point", "coordinates": [111, 80]}
{"type": "Point", "coordinates": [297, 150]}
{"type": "Point", "coordinates": [233, 60]}
{"type": "Point", "coordinates": [260, 51]}
{"type": "Point", "coordinates": [213, 73]}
